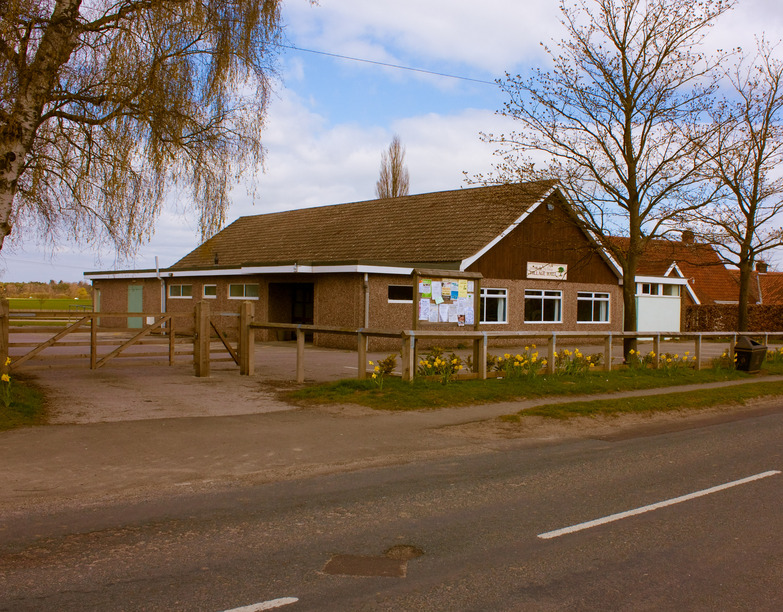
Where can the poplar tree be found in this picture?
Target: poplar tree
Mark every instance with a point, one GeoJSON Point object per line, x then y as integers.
{"type": "Point", "coordinates": [394, 180]}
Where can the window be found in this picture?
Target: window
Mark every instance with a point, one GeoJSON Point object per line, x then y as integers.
{"type": "Point", "coordinates": [400, 294]}
{"type": "Point", "coordinates": [210, 291]}
{"type": "Point", "coordinates": [647, 289]}
{"type": "Point", "coordinates": [592, 307]}
{"type": "Point", "coordinates": [240, 291]}
{"type": "Point", "coordinates": [180, 291]}
{"type": "Point", "coordinates": [494, 306]}
{"type": "Point", "coordinates": [673, 290]}
{"type": "Point", "coordinates": [543, 306]}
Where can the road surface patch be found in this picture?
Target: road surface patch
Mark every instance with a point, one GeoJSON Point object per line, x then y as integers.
{"type": "Point", "coordinates": [393, 563]}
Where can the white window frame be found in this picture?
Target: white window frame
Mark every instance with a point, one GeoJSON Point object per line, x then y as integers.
{"type": "Point", "coordinates": [594, 297]}
{"type": "Point", "coordinates": [212, 296]}
{"type": "Point", "coordinates": [244, 295]}
{"type": "Point", "coordinates": [180, 286]}
{"type": "Point", "coordinates": [391, 301]}
{"type": "Point", "coordinates": [677, 289]}
{"type": "Point", "coordinates": [648, 289]}
{"type": "Point", "coordinates": [493, 293]}
{"type": "Point", "coordinates": [545, 295]}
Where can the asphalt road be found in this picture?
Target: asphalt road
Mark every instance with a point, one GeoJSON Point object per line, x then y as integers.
{"type": "Point", "coordinates": [477, 521]}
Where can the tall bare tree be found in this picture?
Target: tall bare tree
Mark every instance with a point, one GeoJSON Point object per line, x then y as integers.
{"type": "Point", "coordinates": [394, 180]}
{"type": "Point", "coordinates": [613, 118]}
{"type": "Point", "coordinates": [106, 104]}
{"type": "Point", "coordinates": [746, 154]}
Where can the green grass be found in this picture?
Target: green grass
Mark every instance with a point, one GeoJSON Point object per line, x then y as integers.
{"type": "Point", "coordinates": [706, 398]}
{"type": "Point", "coordinates": [422, 394]}
{"type": "Point", "coordinates": [46, 304]}
{"type": "Point", "coordinates": [27, 407]}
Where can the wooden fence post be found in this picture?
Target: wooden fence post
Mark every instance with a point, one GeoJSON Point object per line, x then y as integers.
{"type": "Point", "coordinates": [300, 346]}
{"type": "Point", "coordinates": [608, 353]}
{"type": "Point", "coordinates": [247, 339]}
{"type": "Point", "coordinates": [481, 359]}
{"type": "Point", "coordinates": [552, 349]}
{"type": "Point", "coordinates": [408, 366]}
{"type": "Point", "coordinates": [93, 341]}
{"type": "Point", "coordinates": [697, 351]}
{"type": "Point", "coordinates": [4, 348]}
{"type": "Point", "coordinates": [657, 350]}
{"type": "Point", "coordinates": [362, 349]}
{"type": "Point", "coordinates": [201, 339]}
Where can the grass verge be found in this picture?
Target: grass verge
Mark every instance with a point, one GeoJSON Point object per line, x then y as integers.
{"type": "Point", "coordinates": [706, 398]}
{"type": "Point", "coordinates": [27, 407]}
{"type": "Point", "coordinates": [48, 304]}
{"type": "Point", "coordinates": [421, 394]}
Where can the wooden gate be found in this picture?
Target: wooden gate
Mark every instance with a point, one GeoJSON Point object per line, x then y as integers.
{"type": "Point", "coordinates": [78, 336]}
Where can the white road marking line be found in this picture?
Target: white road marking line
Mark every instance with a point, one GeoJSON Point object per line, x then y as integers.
{"type": "Point", "coordinates": [670, 502]}
{"type": "Point", "coordinates": [266, 605]}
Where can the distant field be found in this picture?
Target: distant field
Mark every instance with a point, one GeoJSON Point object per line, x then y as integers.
{"type": "Point", "coordinates": [48, 304]}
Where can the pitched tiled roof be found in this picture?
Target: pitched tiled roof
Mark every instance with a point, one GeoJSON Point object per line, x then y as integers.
{"type": "Point", "coordinates": [707, 275]}
{"type": "Point", "coordinates": [435, 228]}
{"type": "Point", "coordinates": [771, 287]}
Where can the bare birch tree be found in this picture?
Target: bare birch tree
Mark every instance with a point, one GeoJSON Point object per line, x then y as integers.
{"type": "Point", "coordinates": [394, 180]}
{"type": "Point", "coordinates": [613, 119]}
{"type": "Point", "coordinates": [105, 104]}
{"type": "Point", "coordinates": [746, 156]}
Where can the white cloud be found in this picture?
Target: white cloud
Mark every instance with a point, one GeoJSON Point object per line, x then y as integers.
{"type": "Point", "coordinates": [493, 35]}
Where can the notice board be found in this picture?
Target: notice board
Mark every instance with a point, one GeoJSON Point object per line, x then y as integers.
{"type": "Point", "coordinates": [448, 299]}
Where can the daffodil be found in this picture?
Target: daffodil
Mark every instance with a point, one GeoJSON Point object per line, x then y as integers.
{"type": "Point", "coordinates": [5, 378]}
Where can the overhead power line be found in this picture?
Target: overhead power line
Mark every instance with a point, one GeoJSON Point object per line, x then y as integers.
{"type": "Point", "coordinates": [387, 65]}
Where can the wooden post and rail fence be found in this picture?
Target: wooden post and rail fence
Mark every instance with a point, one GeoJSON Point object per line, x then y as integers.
{"type": "Point", "coordinates": [206, 332]}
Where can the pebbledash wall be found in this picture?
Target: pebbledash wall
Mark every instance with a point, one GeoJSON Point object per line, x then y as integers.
{"type": "Point", "coordinates": [345, 299]}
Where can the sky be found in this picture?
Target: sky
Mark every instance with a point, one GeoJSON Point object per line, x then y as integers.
{"type": "Point", "coordinates": [330, 118]}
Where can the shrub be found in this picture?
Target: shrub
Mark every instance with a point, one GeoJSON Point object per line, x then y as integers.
{"type": "Point", "coordinates": [520, 365]}
{"type": "Point", "coordinates": [435, 363]}
{"type": "Point", "coordinates": [382, 369]}
{"type": "Point", "coordinates": [724, 362]}
{"type": "Point", "coordinates": [575, 362]}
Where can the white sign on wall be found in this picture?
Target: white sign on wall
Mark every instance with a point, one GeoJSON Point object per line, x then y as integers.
{"type": "Point", "coordinates": [547, 271]}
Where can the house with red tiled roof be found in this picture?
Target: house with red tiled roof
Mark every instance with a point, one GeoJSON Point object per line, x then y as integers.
{"type": "Point", "coordinates": [504, 257]}
{"type": "Point", "coordinates": [769, 285]}
{"type": "Point", "coordinates": [696, 272]}
{"type": "Point", "coordinates": [765, 287]}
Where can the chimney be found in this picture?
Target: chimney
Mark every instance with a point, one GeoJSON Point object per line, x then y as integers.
{"type": "Point", "coordinates": [687, 237]}
{"type": "Point", "coordinates": [761, 267]}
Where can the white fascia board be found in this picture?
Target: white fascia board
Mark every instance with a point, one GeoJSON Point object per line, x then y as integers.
{"type": "Point", "coordinates": [92, 276]}
{"type": "Point", "coordinates": [669, 280]}
{"type": "Point", "coordinates": [663, 280]}
{"type": "Point", "coordinates": [466, 263]}
{"type": "Point", "coordinates": [674, 268]}
{"type": "Point", "coordinates": [361, 268]}
{"type": "Point", "coordinates": [251, 270]}
{"type": "Point", "coordinates": [691, 293]}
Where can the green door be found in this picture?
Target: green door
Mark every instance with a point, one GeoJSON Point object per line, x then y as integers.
{"type": "Point", "coordinates": [135, 302]}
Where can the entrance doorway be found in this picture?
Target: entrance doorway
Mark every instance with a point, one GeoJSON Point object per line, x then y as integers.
{"type": "Point", "coordinates": [135, 304]}
{"type": "Point", "coordinates": [291, 303]}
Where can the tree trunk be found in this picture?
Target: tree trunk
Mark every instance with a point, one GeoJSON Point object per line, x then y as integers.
{"type": "Point", "coordinates": [630, 321]}
{"type": "Point", "coordinates": [745, 270]}
{"type": "Point", "coordinates": [35, 84]}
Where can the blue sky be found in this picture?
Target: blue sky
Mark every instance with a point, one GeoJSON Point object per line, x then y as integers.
{"type": "Point", "coordinates": [331, 118]}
